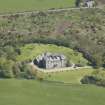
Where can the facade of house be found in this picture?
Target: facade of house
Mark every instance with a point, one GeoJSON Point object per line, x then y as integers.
{"type": "Point", "coordinates": [89, 3]}
{"type": "Point", "coordinates": [50, 61]}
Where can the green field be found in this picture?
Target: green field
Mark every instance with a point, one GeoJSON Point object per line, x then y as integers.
{"type": "Point", "coordinates": [31, 51]}
{"type": "Point", "coordinates": [27, 5]}
{"type": "Point", "coordinates": [28, 92]}
{"type": "Point", "coordinates": [51, 91]}
{"type": "Point", "coordinates": [73, 76]}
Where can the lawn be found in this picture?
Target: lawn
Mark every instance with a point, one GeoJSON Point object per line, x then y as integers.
{"type": "Point", "coordinates": [27, 5]}
{"type": "Point", "coordinates": [73, 76]}
{"type": "Point", "coordinates": [31, 51]}
{"type": "Point", "coordinates": [30, 92]}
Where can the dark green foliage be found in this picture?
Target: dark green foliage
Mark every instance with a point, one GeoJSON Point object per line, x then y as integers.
{"type": "Point", "coordinates": [93, 80]}
{"type": "Point", "coordinates": [82, 30]}
{"type": "Point", "coordinates": [6, 67]}
{"type": "Point", "coordinates": [89, 80]}
{"type": "Point", "coordinates": [77, 3]}
{"type": "Point", "coordinates": [97, 78]}
{"type": "Point", "coordinates": [10, 68]}
{"type": "Point", "coordinates": [23, 70]}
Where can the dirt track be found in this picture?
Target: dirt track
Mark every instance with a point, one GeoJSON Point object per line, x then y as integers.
{"type": "Point", "coordinates": [50, 10]}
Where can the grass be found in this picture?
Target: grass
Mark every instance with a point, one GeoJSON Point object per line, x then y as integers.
{"type": "Point", "coordinates": [27, 5]}
{"type": "Point", "coordinates": [73, 76]}
{"type": "Point", "coordinates": [28, 92]}
{"type": "Point", "coordinates": [33, 92]}
{"type": "Point", "coordinates": [31, 51]}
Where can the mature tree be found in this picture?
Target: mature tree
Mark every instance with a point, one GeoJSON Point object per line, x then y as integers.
{"type": "Point", "coordinates": [77, 3]}
{"type": "Point", "coordinates": [6, 67]}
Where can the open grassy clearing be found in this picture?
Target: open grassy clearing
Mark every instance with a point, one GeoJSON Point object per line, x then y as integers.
{"type": "Point", "coordinates": [31, 51]}
{"type": "Point", "coordinates": [73, 76]}
{"type": "Point", "coordinates": [27, 5]}
{"type": "Point", "coordinates": [25, 92]}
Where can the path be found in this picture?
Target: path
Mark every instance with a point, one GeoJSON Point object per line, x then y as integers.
{"type": "Point", "coordinates": [50, 10]}
{"type": "Point", "coordinates": [58, 69]}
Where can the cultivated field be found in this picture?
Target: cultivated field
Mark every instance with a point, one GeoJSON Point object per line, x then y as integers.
{"type": "Point", "coordinates": [27, 5]}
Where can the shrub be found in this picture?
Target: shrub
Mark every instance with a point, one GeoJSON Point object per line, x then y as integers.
{"type": "Point", "coordinates": [89, 80]}
{"type": "Point", "coordinates": [97, 78]}
{"type": "Point", "coordinates": [6, 67]}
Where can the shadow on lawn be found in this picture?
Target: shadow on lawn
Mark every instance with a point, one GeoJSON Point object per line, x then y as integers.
{"type": "Point", "coordinates": [59, 83]}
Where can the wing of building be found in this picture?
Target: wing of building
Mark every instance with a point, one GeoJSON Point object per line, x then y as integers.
{"type": "Point", "coordinates": [50, 61]}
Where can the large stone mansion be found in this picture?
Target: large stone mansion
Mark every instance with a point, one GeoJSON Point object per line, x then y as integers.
{"type": "Point", "coordinates": [89, 3]}
{"type": "Point", "coordinates": [50, 61]}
